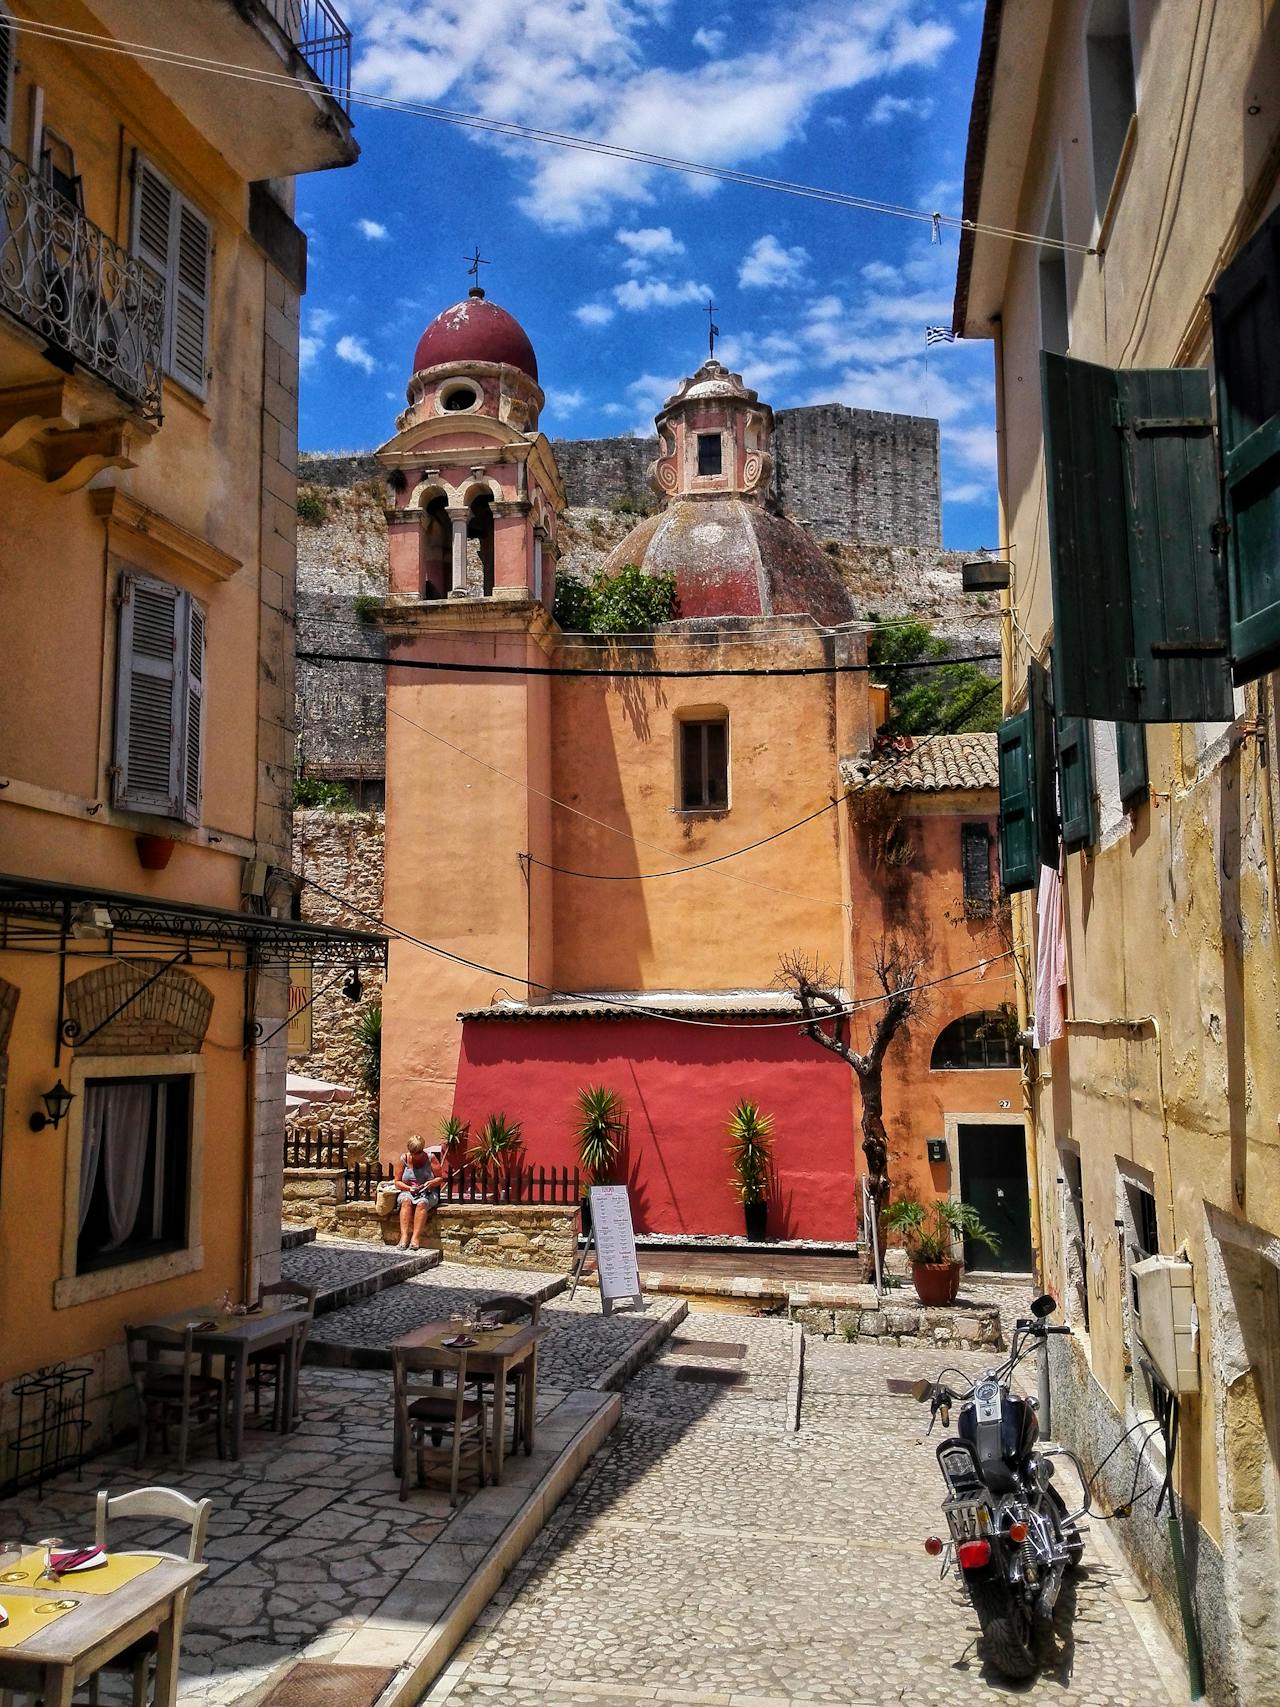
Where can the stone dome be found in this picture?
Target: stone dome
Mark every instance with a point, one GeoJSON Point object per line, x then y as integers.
{"type": "Point", "coordinates": [732, 557]}
{"type": "Point", "coordinates": [476, 330]}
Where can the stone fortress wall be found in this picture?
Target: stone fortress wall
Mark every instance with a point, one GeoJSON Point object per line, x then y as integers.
{"type": "Point", "coordinates": [853, 475]}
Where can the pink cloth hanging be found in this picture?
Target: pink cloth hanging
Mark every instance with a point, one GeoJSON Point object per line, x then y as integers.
{"type": "Point", "coordinates": [1051, 959]}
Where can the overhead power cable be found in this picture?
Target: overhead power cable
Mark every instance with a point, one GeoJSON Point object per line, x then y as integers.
{"type": "Point", "coordinates": [632, 672]}
{"type": "Point", "coordinates": [149, 52]}
{"type": "Point", "coordinates": [641, 1008]}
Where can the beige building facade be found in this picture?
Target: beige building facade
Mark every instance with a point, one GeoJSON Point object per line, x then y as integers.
{"type": "Point", "coordinates": [150, 273]}
{"type": "Point", "coordinates": [1137, 146]}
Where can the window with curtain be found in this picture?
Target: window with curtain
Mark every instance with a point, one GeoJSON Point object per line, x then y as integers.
{"type": "Point", "coordinates": [134, 1170]}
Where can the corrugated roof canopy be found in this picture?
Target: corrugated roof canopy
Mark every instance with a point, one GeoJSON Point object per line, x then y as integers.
{"type": "Point", "coordinates": [614, 1004]}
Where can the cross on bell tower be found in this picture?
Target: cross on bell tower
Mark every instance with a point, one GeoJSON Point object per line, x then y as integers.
{"type": "Point", "coordinates": [476, 261]}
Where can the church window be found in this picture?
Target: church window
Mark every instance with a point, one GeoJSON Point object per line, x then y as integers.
{"type": "Point", "coordinates": [710, 453]}
{"type": "Point", "coordinates": [704, 764]}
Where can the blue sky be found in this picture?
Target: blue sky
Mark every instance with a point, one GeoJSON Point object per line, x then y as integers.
{"type": "Point", "coordinates": [607, 264]}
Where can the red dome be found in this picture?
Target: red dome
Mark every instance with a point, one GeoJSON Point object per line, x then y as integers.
{"type": "Point", "coordinates": [476, 330]}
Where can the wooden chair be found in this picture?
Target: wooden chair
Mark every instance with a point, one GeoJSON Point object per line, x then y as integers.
{"type": "Point", "coordinates": [270, 1364]}
{"type": "Point", "coordinates": [169, 1506]}
{"type": "Point", "coordinates": [510, 1307]}
{"type": "Point", "coordinates": [162, 1363]}
{"type": "Point", "coordinates": [424, 1409]}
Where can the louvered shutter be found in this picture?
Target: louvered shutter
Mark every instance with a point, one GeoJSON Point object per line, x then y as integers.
{"type": "Point", "coordinates": [153, 202]}
{"type": "Point", "coordinates": [1019, 864]}
{"type": "Point", "coordinates": [1139, 589]}
{"type": "Point", "coordinates": [1246, 345]}
{"type": "Point", "coordinates": [151, 668]}
{"type": "Point", "coordinates": [7, 57]}
{"type": "Point", "coordinates": [190, 298]}
{"type": "Point", "coordinates": [1131, 758]}
{"type": "Point", "coordinates": [193, 730]}
{"type": "Point", "coordinates": [1075, 784]}
{"type": "Point", "coordinates": [1044, 762]}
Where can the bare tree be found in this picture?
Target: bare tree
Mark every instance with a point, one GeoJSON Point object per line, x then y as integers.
{"type": "Point", "coordinates": [897, 965]}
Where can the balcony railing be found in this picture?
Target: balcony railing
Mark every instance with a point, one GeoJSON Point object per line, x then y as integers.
{"type": "Point", "coordinates": [77, 289]}
{"type": "Point", "coordinates": [322, 38]}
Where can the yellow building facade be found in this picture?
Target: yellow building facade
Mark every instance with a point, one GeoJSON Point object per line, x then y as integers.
{"type": "Point", "coordinates": [150, 273]}
{"type": "Point", "coordinates": [1137, 147]}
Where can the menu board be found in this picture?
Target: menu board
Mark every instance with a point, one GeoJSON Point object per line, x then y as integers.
{"type": "Point", "coordinates": [615, 1243]}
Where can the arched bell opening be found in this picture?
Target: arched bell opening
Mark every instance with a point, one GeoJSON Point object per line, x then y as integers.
{"type": "Point", "coordinates": [480, 543]}
{"type": "Point", "coordinates": [437, 548]}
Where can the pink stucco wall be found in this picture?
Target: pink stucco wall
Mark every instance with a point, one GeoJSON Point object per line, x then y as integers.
{"type": "Point", "coordinates": [679, 1084]}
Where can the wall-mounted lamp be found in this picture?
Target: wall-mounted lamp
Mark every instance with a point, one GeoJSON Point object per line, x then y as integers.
{"type": "Point", "coordinates": [56, 1102]}
{"type": "Point", "coordinates": [351, 986]}
{"type": "Point", "coordinates": [90, 920]}
{"type": "Point", "coordinates": [984, 575]}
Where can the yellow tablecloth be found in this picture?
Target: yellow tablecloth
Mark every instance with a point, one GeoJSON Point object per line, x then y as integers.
{"type": "Point", "coordinates": [119, 1569]}
{"type": "Point", "coordinates": [26, 1616]}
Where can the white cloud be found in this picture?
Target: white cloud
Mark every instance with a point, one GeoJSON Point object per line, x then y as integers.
{"type": "Point", "coordinates": [564, 402]}
{"type": "Point", "coordinates": [648, 394]}
{"type": "Point", "coordinates": [308, 349]}
{"type": "Point", "coordinates": [311, 341]}
{"type": "Point", "coordinates": [596, 65]}
{"type": "Point", "coordinates": [768, 264]}
{"type": "Point", "coordinates": [636, 295]}
{"type": "Point", "coordinates": [975, 447]}
{"type": "Point", "coordinates": [594, 313]}
{"type": "Point", "coordinates": [967, 492]}
{"type": "Point", "coordinates": [319, 320]}
{"type": "Point", "coordinates": [890, 107]}
{"type": "Point", "coordinates": [881, 273]}
{"type": "Point", "coordinates": [648, 244]}
{"type": "Point", "coordinates": [373, 230]}
{"type": "Point", "coordinates": [353, 350]}
{"type": "Point", "coordinates": [710, 41]}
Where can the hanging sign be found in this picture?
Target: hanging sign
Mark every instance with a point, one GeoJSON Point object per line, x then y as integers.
{"type": "Point", "coordinates": [298, 1038]}
{"type": "Point", "coordinates": [615, 1242]}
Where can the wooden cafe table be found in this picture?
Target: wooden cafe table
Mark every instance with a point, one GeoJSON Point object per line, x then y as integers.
{"type": "Point", "coordinates": [496, 1352]}
{"type": "Point", "coordinates": [234, 1338]}
{"type": "Point", "coordinates": [60, 1633]}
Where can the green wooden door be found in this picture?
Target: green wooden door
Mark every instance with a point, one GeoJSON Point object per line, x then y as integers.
{"type": "Point", "coordinates": [993, 1178]}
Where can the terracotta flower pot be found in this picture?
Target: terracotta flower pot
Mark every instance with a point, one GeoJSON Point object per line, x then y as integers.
{"type": "Point", "coordinates": [154, 852]}
{"type": "Point", "coordinates": [936, 1282]}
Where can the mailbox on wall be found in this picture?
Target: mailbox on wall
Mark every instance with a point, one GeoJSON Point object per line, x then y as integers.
{"type": "Point", "coordinates": [937, 1149]}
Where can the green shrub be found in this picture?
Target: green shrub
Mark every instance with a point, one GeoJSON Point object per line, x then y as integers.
{"type": "Point", "coordinates": [957, 698]}
{"type": "Point", "coordinates": [626, 505]}
{"type": "Point", "coordinates": [626, 602]}
{"type": "Point", "coordinates": [366, 606]}
{"type": "Point", "coordinates": [312, 791]}
{"type": "Point", "coordinates": [312, 506]}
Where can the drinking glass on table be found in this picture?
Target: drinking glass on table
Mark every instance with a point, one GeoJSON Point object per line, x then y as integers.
{"type": "Point", "coordinates": [51, 1544]}
{"type": "Point", "coordinates": [10, 1553]}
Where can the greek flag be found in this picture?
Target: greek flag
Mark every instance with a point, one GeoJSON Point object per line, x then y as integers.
{"type": "Point", "coordinates": [939, 335]}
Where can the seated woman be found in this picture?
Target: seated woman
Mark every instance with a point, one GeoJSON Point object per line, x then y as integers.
{"type": "Point", "coordinates": [419, 1191]}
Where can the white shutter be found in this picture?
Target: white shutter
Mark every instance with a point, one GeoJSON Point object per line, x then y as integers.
{"type": "Point", "coordinates": [151, 668]}
{"type": "Point", "coordinates": [193, 731]}
{"type": "Point", "coordinates": [7, 56]}
{"type": "Point", "coordinates": [173, 236]}
{"type": "Point", "coordinates": [191, 297]}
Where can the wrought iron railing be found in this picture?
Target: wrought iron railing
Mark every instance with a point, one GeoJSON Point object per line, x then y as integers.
{"type": "Point", "coordinates": [322, 38]}
{"type": "Point", "coordinates": [77, 289]}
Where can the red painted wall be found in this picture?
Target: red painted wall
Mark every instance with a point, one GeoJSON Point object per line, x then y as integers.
{"type": "Point", "coordinates": [679, 1084]}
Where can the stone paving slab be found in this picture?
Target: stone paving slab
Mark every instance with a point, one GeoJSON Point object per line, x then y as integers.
{"type": "Point", "coordinates": [709, 1556]}
{"type": "Point", "coordinates": [344, 1272]}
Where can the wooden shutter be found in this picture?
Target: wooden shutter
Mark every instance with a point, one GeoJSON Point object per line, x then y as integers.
{"type": "Point", "coordinates": [1019, 861]}
{"type": "Point", "coordinates": [7, 57]}
{"type": "Point", "coordinates": [191, 298]}
{"type": "Point", "coordinates": [151, 666]}
{"type": "Point", "coordinates": [1246, 345]}
{"type": "Point", "coordinates": [1044, 749]}
{"type": "Point", "coordinates": [1075, 784]}
{"type": "Point", "coordinates": [1131, 758]}
{"type": "Point", "coordinates": [193, 728]}
{"type": "Point", "coordinates": [1139, 590]}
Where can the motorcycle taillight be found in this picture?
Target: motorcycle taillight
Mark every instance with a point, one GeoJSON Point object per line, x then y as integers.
{"type": "Point", "coordinates": [973, 1554]}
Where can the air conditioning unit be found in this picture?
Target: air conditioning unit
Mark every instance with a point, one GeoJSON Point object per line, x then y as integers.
{"type": "Point", "coordinates": [1167, 1323]}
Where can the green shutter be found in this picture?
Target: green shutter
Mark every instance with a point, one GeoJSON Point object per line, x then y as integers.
{"type": "Point", "coordinates": [1246, 346]}
{"type": "Point", "coordinates": [1019, 859]}
{"type": "Point", "coordinates": [1044, 747]}
{"type": "Point", "coordinates": [1075, 784]}
{"type": "Point", "coordinates": [1139, 592]}
{"type": "Point", "coordinates": [1131, 758]}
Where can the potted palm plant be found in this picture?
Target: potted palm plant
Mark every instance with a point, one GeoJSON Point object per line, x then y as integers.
{"type": "Point", "coordinates": [929, 1232]}
{"type": "Point", "coordinates": [751, 1154]}
{"type": "Point", "coordinates": [600, 1129]}
{"type": "Point", "coordinates": [498, 1145]}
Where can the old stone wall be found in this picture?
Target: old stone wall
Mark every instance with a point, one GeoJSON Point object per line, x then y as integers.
{"type": "Point", "coordinates": [341, 852]}
{"type": "Point", "coordinates": [506, 1235]}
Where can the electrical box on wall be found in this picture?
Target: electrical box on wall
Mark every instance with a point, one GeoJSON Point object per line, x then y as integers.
{"type": "Point", "coordinates": [1167, 1322]}
{"type": "Point", "coordinates": [937, 1149]}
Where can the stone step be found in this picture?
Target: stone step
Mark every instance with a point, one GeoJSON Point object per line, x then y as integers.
{"type": "Point", "coordinates": [292, 1237]}
{"type": "Point", "coordinates": [345, 1272]}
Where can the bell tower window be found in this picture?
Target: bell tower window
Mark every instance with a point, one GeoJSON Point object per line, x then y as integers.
{"type": "Point", "coordinates": [460, 397]}
{"type": "Point", "coordinates": [710, 454]}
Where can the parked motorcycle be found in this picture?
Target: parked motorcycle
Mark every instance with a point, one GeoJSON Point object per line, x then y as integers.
{"type": "Point", "coordinates": [1012, 1539]}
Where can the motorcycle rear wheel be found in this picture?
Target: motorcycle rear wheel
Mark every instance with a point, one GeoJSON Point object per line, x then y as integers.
{"type": "Point", "coordinates": [1006, 1626]}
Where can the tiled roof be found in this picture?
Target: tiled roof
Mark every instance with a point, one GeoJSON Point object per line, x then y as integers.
{"type": "Point", "coordinates": [926, 763]}
{"type": "Point", "coordinates": [613, 1004]}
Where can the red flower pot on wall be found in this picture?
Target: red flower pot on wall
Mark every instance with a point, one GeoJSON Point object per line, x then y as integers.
{"type": "Point", "coordinates": [154, 852]}
{"type": "Point", "coordinates": [936, 1282]}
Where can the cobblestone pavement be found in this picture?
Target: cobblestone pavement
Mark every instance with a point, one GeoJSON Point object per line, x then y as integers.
{"type": "Point", "coordinates": [580, 1347]}
{"type": "Point", "coordinates": [707, 1556]}
{"type": "Point", "coordinates": [329, 1264]}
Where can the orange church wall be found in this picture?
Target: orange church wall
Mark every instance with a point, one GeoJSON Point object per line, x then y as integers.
{"type": "Point", "coordinates": [679, 1084]}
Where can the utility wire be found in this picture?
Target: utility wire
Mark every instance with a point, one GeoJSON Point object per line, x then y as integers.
{"type": "Point", "coordinates": [148, 52]}
{"type": "Point", "coordinates": [797, 1020]}
{"type": "Point", "coordinates": [634, 672]}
